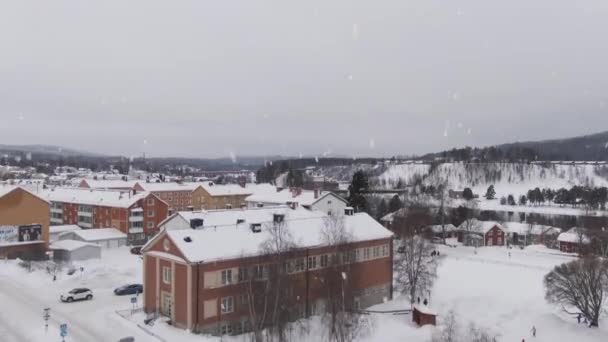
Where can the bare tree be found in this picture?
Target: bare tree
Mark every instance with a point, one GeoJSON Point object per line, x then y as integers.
{"type": "Point", "coordinates": [451, 331]}
{"type": "Point", "coordinates": [342, 318]}
{"type": "Point", "coordinates": [412, 219]}
{"type": "Point", "coordinates": [415, 267]}
{"type": "Point", "coordinates": [582, 284]}
{"type": "Point", "coordinates": [445, 201]}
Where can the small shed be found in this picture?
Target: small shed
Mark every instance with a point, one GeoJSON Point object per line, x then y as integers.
{"type": "Point", "coordinates": [571, 241]}
{"type": "Point", "coordinates": [56, 231]}
{"type": "Point", "coordinates": [423, 315]}
{"type": "Point", "coordinates": [73, 250]}
{"type": "Point", "coordinates": [104, 237]}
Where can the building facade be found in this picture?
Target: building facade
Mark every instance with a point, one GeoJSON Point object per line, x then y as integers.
{"type": "Point", "coordinates": [24, 224]}
{"type": "Point", "coordinates": [137, 215]}
{"type": "Point", "coordinates": [209, 196]}
{"type": "Point", "coordinates": [203, 289]}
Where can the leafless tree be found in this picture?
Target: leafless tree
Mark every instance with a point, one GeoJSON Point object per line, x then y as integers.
{"type": "Point", "coordinates": [412, 219]}
{"type": "Point", "coordinates": [342, 318]}
{"type": "Point", "coordinates": [450, 331]}
{"type": "Point", "coordinates": [582, 284]}
{"type": "Point", "coordinates": [415, 267]}
{"type": "Point", "coordinates": [445, 201]}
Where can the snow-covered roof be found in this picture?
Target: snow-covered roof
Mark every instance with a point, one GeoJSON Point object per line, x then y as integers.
{"type": "Point", "coordinates": [109, 183]}
{"type": "Point", "coordinates": [477, 226]}
{"type": "Point", "coordinates": [521, 228]}
{"type": "Point", "coordinates": [425, 309]}
{"type": "Point", "coordinates": [108, 198]}
{"type": "Point", "coordinates": [575, 235]}
{"type": "Point", "coordinates": [305, 197]}
{"type": "Point", "coordinates": [229, 217]}
{"type": "Point", "coordinates": [391, 216]}
{"type": "Point", "coordinates": [168, 186]}
{"type": "Point", "coordinates": [6, 189]}
{"type": "Point", "coordinates": [100, 234]}
{"type": "Point", "coordinates": [63, 228]}
{"type": "Point", "coordinates": [70, 245]}
{"type": "Point", "coordinates": [225, 189]}
{"type": "Point", "coordinates": [439, 229]}
{"type": "Point", "coordinates": [235, 241]}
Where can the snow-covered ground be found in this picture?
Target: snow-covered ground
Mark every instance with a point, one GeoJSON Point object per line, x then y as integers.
{"type": "Point", "coordinates": [497, 292]}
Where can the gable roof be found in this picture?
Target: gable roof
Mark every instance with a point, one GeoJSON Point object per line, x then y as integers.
{"type": "Point", "coordinates": [574, 235]}
{"type": "Point", "coordinates": [63, 228]}
{"type": "Point", "coordinates": [225, 189]}
{"type": "Point", "coordinates": [70, 245]}
{"type": "Point", "coordinates": [108, 183]}
{"type": "Point", "coordinates": [481, 227]}
{"type": "Point", "coordinates": [7, 189]}
{"type": "Point", "coordinates": [99, 234]}
{"type": "Point", "coordinates": [234, 240]}
{"type": "Point", "coordinates": [168, 186]}
{"type": "Point", "coordinates": [107, 198]}
{"type": "Point", "coordinates": [305, 198]}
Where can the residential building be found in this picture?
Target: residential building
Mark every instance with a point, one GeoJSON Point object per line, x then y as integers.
{"type": "Point", "coordinates": [177, 195]}
{"type": "Point", "coordinates": [135, 214]}
{"type": "Point", "coordinates": [107, 184]}
{"type": "Point", "coordinates": [482, 233]}
{"type": "Point", "coordinates": [74, 250]}
{"type": "Point", "coordinates": [24, 223]}
{"type": "Point", "coordinates": [56, 231]}
{"type": "Point", "coordinates": [521, 233]}
{"type": "Point", "coordinates": [324, 201]}
{"type": "Point", "coordinates": [572, 240]}
{"type": "Point", "coordinates": [194, 272]}
{"type": "Point", "coordinates": [103, 237]}
{"type": "Point", "coordinates": [209, 195]}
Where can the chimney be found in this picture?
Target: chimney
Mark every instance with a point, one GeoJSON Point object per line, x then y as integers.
{"type": "Point", "coordinates": [317, 192]}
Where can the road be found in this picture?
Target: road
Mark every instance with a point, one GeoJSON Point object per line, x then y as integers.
{"type": "Point", "coordinates": [21, 316]}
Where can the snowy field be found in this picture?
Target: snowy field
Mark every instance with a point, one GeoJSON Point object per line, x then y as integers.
{"type": "Point", "coordinates": [500, 293]}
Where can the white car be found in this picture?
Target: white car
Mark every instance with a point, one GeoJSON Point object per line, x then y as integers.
{"type": "Point", "coordinates": [77, 294]}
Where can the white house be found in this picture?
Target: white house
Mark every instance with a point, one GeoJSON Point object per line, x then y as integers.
{"type": "Point", "coordinates": [317, 200]}
{"type": "Point", "coordinates": [104, 237]}
{"type": "Point", "coordinates": [73, 250]}
{"type": "Point", "coordinates": [56, 231]}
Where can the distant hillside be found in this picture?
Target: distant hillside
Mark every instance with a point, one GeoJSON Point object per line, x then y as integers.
{"type": "Point", "coordinates": [588, 147]}
{"type": "Point", "coordinates": [45, 150]}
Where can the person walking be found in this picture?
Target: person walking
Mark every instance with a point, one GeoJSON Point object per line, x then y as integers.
{"type": "Point", "coordinates": [533, 331]}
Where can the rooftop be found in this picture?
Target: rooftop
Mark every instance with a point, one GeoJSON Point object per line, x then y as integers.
{"type": "Point", "coordinates": [63, 228]}
{"type": "Point", "coordinates": [108, 183]}
{"type": "Point", "coordinates": [109, 198]}
{"type": "Point", "coordinates": [100, 234]}
{"type": "Point", "coordinates": [69, 245]}
{"type": "Point", "coordinates": [305, 197]}
{"type": "Point", "coordinates": [574, 235]}
{"type": "Point", "coordinates": [234, 240]}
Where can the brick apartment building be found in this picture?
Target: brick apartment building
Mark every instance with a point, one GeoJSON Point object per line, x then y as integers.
{"type": "Point", "coordinates": [24, 224]}
{"type": "Point", "coordinates": [196, 275]}
{"type": "Point", "coordinates": [136, 214]}
{"type": "Point", "coordinates": [177, 195]}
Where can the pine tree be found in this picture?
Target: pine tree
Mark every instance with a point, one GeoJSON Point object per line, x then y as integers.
{"type": "Point", "coordinates": [382, 209]}
{"type": "Point", "coordinates": [511, 200]}
{"type": "Point", "coordinates": [394, 204]}
{"type": "Point", "coordinates": [467, 194]}
{"type": "Point", "coordinates": [523, 200]}
{"type": "Point", "coordinates": [358, 187]}
{"type": "Point", "coordinates": [491, 193]}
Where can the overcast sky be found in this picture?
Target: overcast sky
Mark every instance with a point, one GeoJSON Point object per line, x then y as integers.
{"type": "Point", "coordinates": [208, 78]}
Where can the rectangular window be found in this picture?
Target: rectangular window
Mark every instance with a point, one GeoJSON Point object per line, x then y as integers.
{"type": "Point", "coordinates": [260, 272]}
{"type": "Point", "coordinates": [357, 255]}
{"type": "Point", "coordinates": [243, 274]}
{"type": "Point", "coordinates": [312, 263]}
{"type": "Point", "coordinates": [376, 252]}
{"type": "Point", "coordinates": [150, 225]}
{"type": "Point", "coordinates": [243, 300]}
{"type": "Point", "coordinates": [226, 277]}
{"type": "Point", "coordinates": [167, 275]}
{"type": "Point", "coordinates": [324, 260]}
{"type": "Point", "coordinates": [366, 254]}
{"type": "Point", "coordinates": [226, 329]}
{"type": "Point", "coordinates": [384, 250]}
{"type": "Point", "coordinates": [150, 213]}
{"type": "Point", "coordinates": [150, 201]}
{"type": "Point", "coordinates": [299, 265]}
{"type": "Point", "coordinates": [227, 305]}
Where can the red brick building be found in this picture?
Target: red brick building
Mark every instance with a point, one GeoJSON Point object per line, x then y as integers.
{"type": "Point", "coordinates": [177, 195]}
{"type": "Point", "coordinates": [136, 214]}
{"type": "Point", "coordinates": [194, 275]}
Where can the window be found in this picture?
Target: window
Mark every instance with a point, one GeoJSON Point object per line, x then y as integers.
{"type": "Point", "coordinates": [324, 260]}
{"type": "Point", "coordinates": [376, 252]}
{"type": "Point", "coordinates": [384, 250]}
{"type": "Point", "coordinates": [150, 225]}
{"type": "Point", "coordinates": [288, 266]}
{"type": "Point", "coordinates": [227, 305]}
{"type": "Point", "coordinates": [150, 201]}
{"type": "Point", "coordinates": [357, 255]}
{"type": "Point", "coordinates": [260, 272]}
{"type": "Point", "coordinates": [299, 265]}
{"type": "Point", "coordinates": [167, 275]}
{"type": "Point", "coordinates": [243, 274]}
{"type": "Point", "coordinates": [312, 263]}
{"type": "Point", "coordinates": [226, 277]}
{"type": "Point", "coordinates": [150, 213]}
{"type": "Point", "coordinates": [366, 253]}
{"type": "Point", "coordinates": [226, 329]}
{"type": "Point", "coordinates": [345, 257]}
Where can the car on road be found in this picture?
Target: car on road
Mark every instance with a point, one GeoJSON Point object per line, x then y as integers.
{"type": "Point", "coordinates": [77, 294]}
{"type": "Point", "coordinates": [129, 289]}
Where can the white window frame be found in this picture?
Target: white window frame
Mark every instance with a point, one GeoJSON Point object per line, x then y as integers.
{"type": "Point", "coordinates": [226, 277]}
{"type": "Point", "coordinates": [324, 260]}
{"type": "Point", "coordinates": [227, 305]}
{"type": "Point", "coordinates": [167, 276]}
{"type": "Point", "coordinates": [312, 262]}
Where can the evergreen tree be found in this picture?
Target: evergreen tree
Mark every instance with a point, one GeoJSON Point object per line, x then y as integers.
{"type": "Point", "coordinates": [358, 187]}
{"type": "Point", "coordinates": [491, 193]}
{"type": "Point", "coordinates": [523, 200]}
{"type": "Point", "coordinates": [503, 200]}
{"type": "Point", "coordinates": [467, 194]}
{"type": "Point", "coordinates": [382, 209]}
{"type": "Point", "coordinates": [511, 200]}
{"type": "Point", "coordinates": [394, 204]}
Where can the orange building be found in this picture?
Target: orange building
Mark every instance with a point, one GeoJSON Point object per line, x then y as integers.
{"type": "Point", "coordinates": [24, 224]}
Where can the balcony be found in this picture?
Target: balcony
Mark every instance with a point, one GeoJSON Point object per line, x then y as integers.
{"type": "Point", "coordinates": [85, 213]}
{"type": "Point", "coordinates": [136, 230]}
{"type": "Point", "coordinates": [57, 210]}
{"type": "Point", "coordinates": [136, 219]}
{"type": "Point", "coordinates": [57, 220]}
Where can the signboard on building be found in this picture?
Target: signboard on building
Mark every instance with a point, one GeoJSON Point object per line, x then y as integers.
{"type": "Point", "coordinates": [32, 232]}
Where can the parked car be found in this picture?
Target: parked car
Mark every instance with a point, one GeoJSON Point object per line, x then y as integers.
{"type": "Point", "coordinates": [129, 289]}
{"type": "Point", "coordinates": [136, 250]}
{"type": "Point", "coordinates": [127, 339]}
{"type": "Point", "coordinates": [77, 294]}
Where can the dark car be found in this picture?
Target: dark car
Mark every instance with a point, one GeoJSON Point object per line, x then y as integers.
{"type": "Point", "coordinates": [136, 250]}
{"type": "Point", "coordinates": [129, 290]}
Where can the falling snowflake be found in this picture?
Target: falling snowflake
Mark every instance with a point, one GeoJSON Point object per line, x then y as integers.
{"type": "Point", "coordinates": [317, 159]}
{"type": "Point", "coordinates": [355, 31]}
{"type": "Point", "coordinates": [372, 143]}
{"type": "Point", "coordinates": [350, 77]}
{"type": "Point", "coordinates": [233, 157]}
